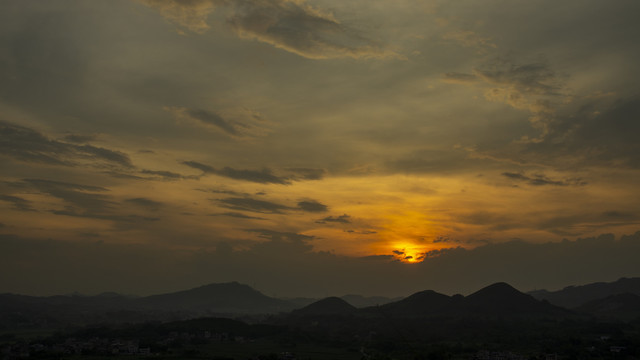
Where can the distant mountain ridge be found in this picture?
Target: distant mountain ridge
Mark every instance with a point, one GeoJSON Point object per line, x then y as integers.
{"type": "Point", "coordinates": [230, 297]}
{"type": "Point", "coordinates": [499, 299]}
{"type": "Point", "coordinates": [576, 296]}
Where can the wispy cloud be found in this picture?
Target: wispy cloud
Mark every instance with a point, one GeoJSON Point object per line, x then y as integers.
{"type": "Point", "coordinates": [264, 176]}
{"type": "Point", "coordinates": [25, 144]}
{"type": "Point", "coordinates": [236, 123]}
{"type": "Point", "coordinates": [291, 25]}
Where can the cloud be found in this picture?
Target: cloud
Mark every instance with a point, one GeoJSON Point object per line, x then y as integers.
{"type": "Point", "coordinates": [307, 173]}
{"type": "Point", "coordinates": [264, 176]}
{"type": "Point", "coordinates": [541, 180]}
{"type": "Point", "coordinates": [191, 14]}
{"type": "Point", "coordinates": [79, 138]}
{"type": "Point", "coordinates": [268, 207]}
{"type": "Point", "coordinates": [342, 219]}
{"type": "Point", "coordinates": [89, 200]}
{"type": "Point", "coordinates": [17, 202]}
{"type": "Point", "coordinates": [145, 203]}
{"type": "Point", "coordinates": [300, 29]}
{"type": "Point", "coordinates": [238, 215]}
{"type": "Point", "coordinates": [167, 175]}
{"type": "Point", "coordinates": [253, 205]}
{"type": "Point", "coordinates": [312, 206]}
{"type": "Point", "coordinates": [531, 86]}
{"type": "Point", "coordinates": [25, 144]}
{"type": "Point", "coordinates": [469, 38]}
{"type": "Point", "coordinates": [236, 123]}
{"type": "Point", "coordinates": [290, 25]}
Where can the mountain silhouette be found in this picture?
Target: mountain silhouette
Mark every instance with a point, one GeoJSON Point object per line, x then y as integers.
{"type": "Point", "coordinates": [327, 306]}
{"type": "Point", "coordinates": [230, 297]}
{"type": "Point", "coordinates": [502, 299]}
{"type": "Point", "coordinates": [499, 299]}
{"type": "Point", "coordinates": [420, 304]}
{"type": "Point", "coordinates": [575, 296]}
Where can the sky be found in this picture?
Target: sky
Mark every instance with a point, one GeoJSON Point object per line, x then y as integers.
{"type": "Point", "coordinates": [317, 147]}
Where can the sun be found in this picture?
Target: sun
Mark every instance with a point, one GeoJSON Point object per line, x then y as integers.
{"type": "Point", "coordinates": [408, 252]}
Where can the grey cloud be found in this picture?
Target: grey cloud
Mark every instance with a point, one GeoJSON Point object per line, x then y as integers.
{"type": "Point", "coordinates": [236, 123]}
{"type": "Point", "coordinates": [89, 199]}
{"type": "Point", "coordinates": [531, 78]}
{"type": "Point", "coordinates": [163, 174]}
{"type": "Point", "coordinates": [264, 176]}
{"type": "Point", "coordinates": [281, 236]}
{"type": "Point", "coordinates": [26, 144]}
{"type": "Point", "coordinates": [263, 206]}
{"type": "Point", "coordinates": [253, 205]}
{"type": "Point", "coordinates": [312, 206]}
{"type": "Point", "coordinates": [145, 203]}
{"type": "Point", "coordinates": [290, 25]}
{"type": "Point", "coordinates": [17, 202]}
{"type": "Point", "coordinates": [308, 173]}
{"type": "Point", "coordinates": [79, 138]}
{"type": "Point", "coordinates": [191, 14]}
{"type": "Point", "coordinates": [541, 180]}
{"type": "Point", "coordinates": [238, 215]}
{"type": "Point", "coordinates": [459, 78]}
{"type": "Point", "coordinates": [342, 219]}
{"type": "Point", "coordinates": [596, 134]}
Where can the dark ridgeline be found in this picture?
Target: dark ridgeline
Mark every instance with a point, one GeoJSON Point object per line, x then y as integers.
{"type": "Point", "coordinates": [230, 297]}
{"type": "Point", "coordinates": [499, 299]}
{"type": "Point", "coordinates": [575, 296]}
{"type": "Point", "coordinates": [328, 306]}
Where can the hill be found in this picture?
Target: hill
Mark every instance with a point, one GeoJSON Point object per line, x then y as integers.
{"type": "Point", "coordinates": [327, 306]}
{"type": "Point", "coordinates": [216, 298]}
{"type": "Point", "coordinates": [575, 296]}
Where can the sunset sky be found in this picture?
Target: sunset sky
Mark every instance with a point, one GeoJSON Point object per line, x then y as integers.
{"type": "Point", "coordinates": [318, 147]}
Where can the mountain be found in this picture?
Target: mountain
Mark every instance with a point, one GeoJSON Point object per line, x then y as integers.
{"type": "Point", "coordinates": [327, 306]}
{"type": "Point", "coordinates": [620, 306]}
{"type": "Point", "coordinates": [20, 311]}
{"type": "Point", "coordinates": [575, 296]}
{"type": "Point", "coordinates": [503, 299]}
{"type": "Point", "coordinates": [420, 304]}
{"type": "Point", "coordinates": [499, 299]}
{"type": "Point", "coordinates": [216, 298]}
{"type": "Point", "coordinates": [360, 301]}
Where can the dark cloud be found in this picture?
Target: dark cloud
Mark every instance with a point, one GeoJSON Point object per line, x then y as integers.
{"type": "Point", "coordinates": [238, 215]}
{"type": "Point", "coordinates": [541, 180]}
{"type": "Point", "coordinates": [530, 78]}
{"type": "Point", "coordinates": [281, 236]}
{"type": "Point", "coordinates": [145, 203]}
{"type": "Point", "coordinates": [79, 138]}
{"type": "Point", "coordinates": [26, 144]}
{"type": "Point", "coordinates": [211, 118]}
{"type": "Point", "coordinates": [361, 232]}
{"type": "Point", "coordinates": [168, 175]}
{"type": "Point", "coordinates": [17, 202]}
{"type": "Point", "coordinates": [312, 206]}
{"type": "Point", "coordinates": [342, 219]}
{"type": "Point", "coordinates": [307, 173]}
{"type": "Point", "coordinates": [236, 123]}
{"type": "Point", "coordinates": [264, 176]}
{"type": "Point", "coordinates": [398, 252]}
{"type": "Point", "coordinates": [253, 205]}
{"type": "Point", "coordinates": [289, 25]}
{"type": "Point", "coordinates": [81, 199]}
